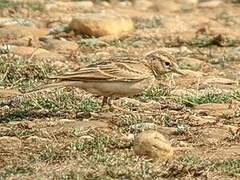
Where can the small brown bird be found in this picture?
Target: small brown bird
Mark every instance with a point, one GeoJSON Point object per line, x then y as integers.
{"type": "Point", "coordinates": [119, 78]}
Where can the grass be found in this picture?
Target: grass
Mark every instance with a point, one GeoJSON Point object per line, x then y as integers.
{"type": "Point", "coordinates": [189, 159]}
{"type": "Point", "coordinates": [229, 167]}
{"type": "Point", "coordinates": [100, 154]}
{"type": "Point", "coordinates": [209, 41]}
{"type": "Point", "coordinates": [35, 6]}
{"type": "Point", "coordinates": [7, 4]}
{"type": "Point", "coordinates": [22, 73]}
{"type": "Point", "coordinates": [106, 155]}
{"type": "Point", "coordinates": [52, 155]}
{"type": "Point", "coordinates": [18, 132]}
{"type": "Point", "coordinates": [16, 171]}
{"type": "Point", "coordinates": [98, 144]}
{"type": "Point", "coordinates": [29, 5]}
{"type": "Point", "coordinates": [208, 98]}
{"type": "Point", "coordinates": [50, 105]}
{"type": "Point", "coordinates": [225, 18]}
{"type": "Point", "coordinates": [155, 93]}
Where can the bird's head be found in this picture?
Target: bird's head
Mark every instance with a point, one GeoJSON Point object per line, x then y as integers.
{"type": "Point", "coordinates": [162, 62]}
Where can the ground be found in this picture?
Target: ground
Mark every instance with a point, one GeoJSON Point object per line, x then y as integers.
{"type": "Point", "coordinates": [64, 134]}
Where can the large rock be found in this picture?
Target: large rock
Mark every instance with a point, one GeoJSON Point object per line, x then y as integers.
{"type": "Point", "coordinates": [101, 24]}
{"type": "Point", "coordinates": [153, 145]}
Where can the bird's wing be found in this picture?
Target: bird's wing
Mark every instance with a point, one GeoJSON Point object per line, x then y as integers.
{"type": "Point", "coordinates": [110, 71]}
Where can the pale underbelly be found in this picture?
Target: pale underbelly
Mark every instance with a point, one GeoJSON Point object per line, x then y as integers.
{"type": "Point", "coordinates": [116, 89]}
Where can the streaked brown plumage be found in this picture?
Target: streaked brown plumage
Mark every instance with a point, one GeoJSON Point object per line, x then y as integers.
{"type": "Point", "coordinates": [119, 78]}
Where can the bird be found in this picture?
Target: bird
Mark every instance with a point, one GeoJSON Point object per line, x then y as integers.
{"type": "Point", "coordinates": [120, 77]}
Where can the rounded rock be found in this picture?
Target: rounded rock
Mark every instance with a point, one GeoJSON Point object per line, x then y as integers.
{"type": "Point", "coordinates": [101, 24]}
{"type": "Point", "coordinates": [154, 145]}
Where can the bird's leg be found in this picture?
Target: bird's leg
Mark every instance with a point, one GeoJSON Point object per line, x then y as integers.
{"type": "Point", "coordinates": [104, 101]}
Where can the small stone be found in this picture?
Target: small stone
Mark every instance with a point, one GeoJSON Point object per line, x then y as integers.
{"type": "Point", "coordinates": [182, 128]}
{"type": "Point", "coordinates": [142, 4]}
{"type": "Point", "coordinates": [188, 4]}
{"type": "Point", "coordinates": [101, 24]}
{"type": "Point", "coordinates": [125, 4]}
{"type": "Point", "coordinates": [142, 126]}
{"type": "Point", "coordinates": [61, 46]}
{"type": "Point", "coordinates": [59, 29]}
{"type": "Point", "coordinates": [37, 53]}
{"type": "Point", "coordinates": [153, 145]}
{"type": "Point", "coordinates": [167, 6]}
{"type": "Point", "coordinates": [193, 2]}
{"type": "Point", "coordinates": [86, 137]}
{"type": "Point", "coordinates": [185, 50]}
{"type": "Point", "coordinates": [210, 4]}
{"type": "Point", "coordinates": [105, 4]}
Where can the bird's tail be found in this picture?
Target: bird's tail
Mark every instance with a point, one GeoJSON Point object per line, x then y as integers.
{"type": "Point", "coordinates": [52, 85]}
{"type": "Point", "coordinates": [40, 88]}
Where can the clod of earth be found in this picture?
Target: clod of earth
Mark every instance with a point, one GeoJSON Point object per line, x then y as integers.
{"type": "Point", "coordinates": [153, 145]}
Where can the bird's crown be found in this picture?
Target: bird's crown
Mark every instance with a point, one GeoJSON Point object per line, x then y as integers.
{"type": "Point", "coordinates": [162, 62]}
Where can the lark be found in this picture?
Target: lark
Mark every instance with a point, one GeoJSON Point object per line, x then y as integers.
{"type": "Point", "coordinates": [118, 78]}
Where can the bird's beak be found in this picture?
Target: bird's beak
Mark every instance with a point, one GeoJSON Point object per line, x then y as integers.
{"type": "Point", "coordinates": [178, 71]}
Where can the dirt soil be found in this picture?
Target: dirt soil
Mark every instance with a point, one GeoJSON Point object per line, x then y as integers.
{"type": "Point", "coordinates": [64, 134]}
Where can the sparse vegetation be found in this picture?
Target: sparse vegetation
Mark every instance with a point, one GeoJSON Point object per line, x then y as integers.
{"type": "Point", "coordinates": [155, 93]}
{"type": "Point", "coordinates": [63, 133]}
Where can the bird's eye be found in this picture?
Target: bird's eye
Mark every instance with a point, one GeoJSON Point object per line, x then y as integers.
{"type": "Point", "coordinates": [167, 63]}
